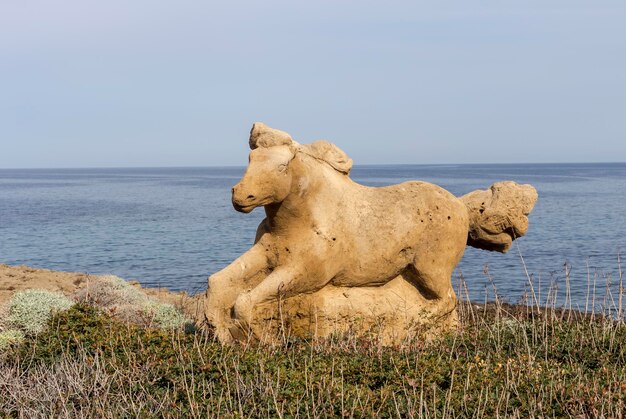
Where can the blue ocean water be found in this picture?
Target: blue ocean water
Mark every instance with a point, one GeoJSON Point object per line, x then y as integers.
{"type": "Point", "coordinates": [173, 227]}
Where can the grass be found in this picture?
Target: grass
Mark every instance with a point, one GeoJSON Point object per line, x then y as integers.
{"type": "Point", "coordinates": [506, 360]}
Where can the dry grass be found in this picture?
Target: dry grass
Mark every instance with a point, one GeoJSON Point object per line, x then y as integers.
{"type": "Point", "coordinates": [504, 361]}
{"type": "Point", "coordinates": [531, 360]}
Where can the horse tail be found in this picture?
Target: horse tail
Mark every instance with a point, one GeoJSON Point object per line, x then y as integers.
{"type": "Point", "coordinates": [498, 215]}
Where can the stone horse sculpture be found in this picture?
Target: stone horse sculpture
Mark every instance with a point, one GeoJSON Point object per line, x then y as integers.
{"type": "Point", "coordinates": [331, 250]}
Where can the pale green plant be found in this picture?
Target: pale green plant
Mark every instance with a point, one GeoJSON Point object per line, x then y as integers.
{"type": "Point", "coordinates": [29, 310]}
{"type": "Point", "coordinates": [129, 303]}
{"type": "Point", "coordinates": [165, 316]}
{"type": "Point", "coordinates": [111, 290]}
{"type": "Point", "coordinates": [9, 338]}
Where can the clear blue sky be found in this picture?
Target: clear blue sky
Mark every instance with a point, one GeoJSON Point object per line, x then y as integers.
{"type": "Point", "coordinates": [178, 83]}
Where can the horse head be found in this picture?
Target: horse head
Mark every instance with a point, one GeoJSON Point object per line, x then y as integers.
{"type": "Point", "coordinates": [268, 178]}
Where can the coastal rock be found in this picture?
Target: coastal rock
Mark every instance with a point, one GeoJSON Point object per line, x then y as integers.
{"type": "Point", "coordinates": [336, 256]}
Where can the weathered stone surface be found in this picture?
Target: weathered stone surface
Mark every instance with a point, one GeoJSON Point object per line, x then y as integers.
{"type": "Point", "coordinates": [499, 214]}
{"type": "Point", "coordinates": [332, 255]}
{"type": "Point", "coordinates": [391, 313]}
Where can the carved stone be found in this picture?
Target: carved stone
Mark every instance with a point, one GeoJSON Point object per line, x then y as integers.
{"type": "Point", "coordinates": [335, 256]}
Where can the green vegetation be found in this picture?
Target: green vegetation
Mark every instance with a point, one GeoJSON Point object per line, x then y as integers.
{"type": "Point", "coordinates": [131, 304]}
{"type": "Point", "coordinates": [10, 338]}
{"type": "Point", "coordinates": [505, 360]}
{"type": "Point", "coordinates": [29, 310]}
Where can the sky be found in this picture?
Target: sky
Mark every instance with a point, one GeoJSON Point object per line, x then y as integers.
{"type": "Point", "coordinates": [121, 83]}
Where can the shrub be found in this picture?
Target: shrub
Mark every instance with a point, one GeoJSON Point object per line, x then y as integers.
{"type": "Point", "coordinates": [30, 310]}
{"type": "Point", "coordinates": [109, 291]}
{"type": "Point", "coordinates": [166, 316]}
{"type": "Point", "coordinates": [501, 363]}
{"type": "Point", "coordinates": [9, 338]}
{"type": "Point", "coordinates": [128, 303]}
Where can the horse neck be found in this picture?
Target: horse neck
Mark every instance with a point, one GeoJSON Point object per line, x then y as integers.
{"type": "Point", "coordinates": [312, 181]}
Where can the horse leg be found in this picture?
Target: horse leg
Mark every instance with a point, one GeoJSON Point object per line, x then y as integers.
{"type": "Point", "coordinates": [431, 274]}
{"type": "Point", "coordinates": [227, 284]}
{"type": "Point", "coordinates": [433, 282]}
{"type": "Point", "coordinates": [284, 282]}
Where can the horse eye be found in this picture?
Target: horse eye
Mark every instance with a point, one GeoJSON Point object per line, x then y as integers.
{"type": "Point", "coordinates": [282, 167]}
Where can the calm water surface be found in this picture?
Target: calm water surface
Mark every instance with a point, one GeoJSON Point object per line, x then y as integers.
{"type": "Point", "coordinates": [174, 226]}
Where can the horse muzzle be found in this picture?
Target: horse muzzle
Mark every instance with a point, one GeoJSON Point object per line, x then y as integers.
{"type": "Point", "coordinates": [243, 208]}
{"type": "Point", "coordinates": [242, 202]}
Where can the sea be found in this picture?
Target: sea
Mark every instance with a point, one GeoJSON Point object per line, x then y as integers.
{"type": "Point", "coordinates": [172, 227]}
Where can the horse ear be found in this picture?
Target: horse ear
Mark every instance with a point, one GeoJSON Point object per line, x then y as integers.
{"type": "Point", "coordinates": [263, 136]}
{"type": "Point", "coordinates": [331, 154]}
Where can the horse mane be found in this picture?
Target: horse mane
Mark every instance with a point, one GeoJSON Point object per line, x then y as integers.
{"type": "Point", "coordinates": [263, 136]}
{"type": "Point", "coordinates": [328, 153]}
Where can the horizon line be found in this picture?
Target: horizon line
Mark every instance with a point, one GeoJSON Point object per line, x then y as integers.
{"type": "Point", "coordinates": [356, 165]}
